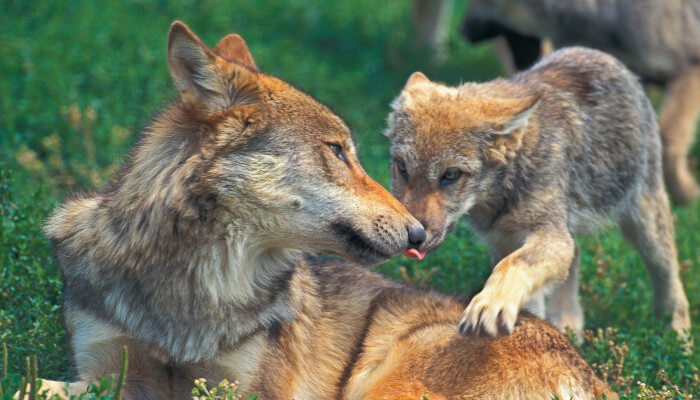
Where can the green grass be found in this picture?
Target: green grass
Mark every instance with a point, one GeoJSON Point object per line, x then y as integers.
{"type": "Point", "coordinates": [78, 79]}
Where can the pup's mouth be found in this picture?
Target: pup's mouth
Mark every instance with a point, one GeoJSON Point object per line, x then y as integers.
{"type": "Point", "coordinates": [415, 253]}
{"type": "Point", "coordinates": [432, 244]}
{"type": "Point", "coordinates": [423, 250]}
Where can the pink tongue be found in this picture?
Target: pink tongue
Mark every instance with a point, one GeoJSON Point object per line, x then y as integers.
{"type": "Point", "coordinates": [414, 253]}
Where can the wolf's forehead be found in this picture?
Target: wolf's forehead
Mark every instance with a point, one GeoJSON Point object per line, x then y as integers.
{"type": "Point", "coordinates": [309, 114]}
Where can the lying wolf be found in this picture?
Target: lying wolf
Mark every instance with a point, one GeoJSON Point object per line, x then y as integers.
{"type": "Point", "coordinates": [657, 39]}
{"type": "Point", "coordinates": [196, 258]}
{"type": "Point", "coordinates": [533, 161]}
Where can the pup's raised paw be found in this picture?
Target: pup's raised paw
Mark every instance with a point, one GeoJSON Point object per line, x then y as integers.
{"type": "Point", "coordinates": [488, 315]}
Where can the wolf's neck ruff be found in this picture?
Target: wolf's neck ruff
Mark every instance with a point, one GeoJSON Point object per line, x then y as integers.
{"type": "Point", "coordinates": [160, 238]}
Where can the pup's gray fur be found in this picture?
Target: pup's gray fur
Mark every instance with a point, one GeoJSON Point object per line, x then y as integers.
{"type": "Point", "coordinates": [550, 153]}
{"type": "Point", "coordinates": [657, 39]}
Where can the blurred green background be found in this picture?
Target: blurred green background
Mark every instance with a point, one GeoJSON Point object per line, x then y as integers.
{"type": "Point", "coordinates": [79, 79]}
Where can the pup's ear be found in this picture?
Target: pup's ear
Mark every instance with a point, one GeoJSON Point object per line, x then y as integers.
{"type": "Point", "coordinates": [233, 48]}
{"type": "Point", "coordinates": [415, 78]}
{"type": "Point", "coordinates": [521, 111]}
{"type": "Point", "coordinates": [509, 136]}
{"type": "Point", "coordinates": [405, 98]}
{"type": "Point", "coordinates": [207, 83]}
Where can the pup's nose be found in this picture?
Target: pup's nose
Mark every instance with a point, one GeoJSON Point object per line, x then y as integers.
{"type": "Point", "coordinates": [416, 236]}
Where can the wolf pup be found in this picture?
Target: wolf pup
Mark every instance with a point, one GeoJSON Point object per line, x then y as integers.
{"type": "Point", "coordinates": [532, 161]}
{"type": "Point", "coordinates": [657, 39]}
{"type": "Point", "coordinates": [195, 259]}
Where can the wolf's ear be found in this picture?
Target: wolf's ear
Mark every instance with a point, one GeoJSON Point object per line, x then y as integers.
{"type": "Point", "coordinates": [207, 83]}
{"type": "Point", "coordinates": [233, 48]}
{"type": "Point", "coordinates": [415, 78]}
{"type": "Point", "coordinates": [509, 135]}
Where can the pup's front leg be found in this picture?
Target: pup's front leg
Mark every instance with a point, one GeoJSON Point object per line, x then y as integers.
{"type": "Point", "coordinates": [544, 259]}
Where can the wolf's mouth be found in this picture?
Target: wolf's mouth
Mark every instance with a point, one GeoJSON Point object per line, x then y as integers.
{"type": "Point", "coordinates": [357, 245]}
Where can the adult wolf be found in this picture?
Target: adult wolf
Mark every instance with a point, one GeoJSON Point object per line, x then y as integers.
{"type": "Point", "coordinates": [657, 39]}
{"type": "Point", "coordinates": [195, 259]}
{"type": "Point", "coordinates": [532, 161]}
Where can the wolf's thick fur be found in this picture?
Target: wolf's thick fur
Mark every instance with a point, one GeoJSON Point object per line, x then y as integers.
{"type": "Point", "coordinates": [532, 161]}
{"type": "Point", "coordinates": [193, 258]}
{"type": "Point", "coordinates": [657, 39]}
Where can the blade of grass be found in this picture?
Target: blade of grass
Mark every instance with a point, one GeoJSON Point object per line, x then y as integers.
{"type": "Point", "coordinates": [3, 374]}
{"type": "Point", "coordinates": [4, 360]}
{"type": "Point", "coordinates": [122, 375]}
{"type": "Point", "coordinates": [23, 388]}
{"type": "Point", "coordinates": [34, 379]}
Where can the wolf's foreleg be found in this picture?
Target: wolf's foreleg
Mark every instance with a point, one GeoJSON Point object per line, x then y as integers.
{"type": "Point", "coordinates": [677, 123]}
{"type": "Point", "coordinates": [543, 260]}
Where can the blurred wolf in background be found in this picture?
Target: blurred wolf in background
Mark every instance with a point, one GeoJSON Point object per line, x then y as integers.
{"type": "Point", "coordinates": [431, 20]}
{"type": "Point", "coordinates": [532, 161]}
{"type": "Point", "coordinates": [196, 258]}
{"type": "Point", "coordinates": [657, 39]}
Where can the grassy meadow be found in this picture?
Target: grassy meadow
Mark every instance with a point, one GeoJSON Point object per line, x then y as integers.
{"type": "Point", "coordinates": [79, 79]}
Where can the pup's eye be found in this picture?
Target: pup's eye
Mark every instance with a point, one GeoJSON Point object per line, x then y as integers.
{"type": "Point", "coordinates": [401, 167]}
{"type": "Point", "coordinates": [338, 151]}
{"type": "Point", "coordinates": [450, 176]}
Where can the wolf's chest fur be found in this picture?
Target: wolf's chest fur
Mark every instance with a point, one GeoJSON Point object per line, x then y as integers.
{"type": "Point", "coordinates": [192, 306]}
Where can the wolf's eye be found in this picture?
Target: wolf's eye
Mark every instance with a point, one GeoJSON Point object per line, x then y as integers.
{"type": "Point", "coordinates": [450, 176]}
{"type": "Point", "coordinates": [401, 167]}
{"type": "Point", "coordinates": [338, 151]}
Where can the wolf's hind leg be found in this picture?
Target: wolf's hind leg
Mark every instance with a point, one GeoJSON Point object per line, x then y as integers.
{"type": "Point", "coordinates": [677, 123]}
{"type": "Point", "coordinates": [648, 225]}
{"type": "Point", "coordinates": [563, 306]}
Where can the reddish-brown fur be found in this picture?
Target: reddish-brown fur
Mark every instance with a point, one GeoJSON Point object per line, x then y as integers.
{"type": "Point", "coordinates": [194, 259]}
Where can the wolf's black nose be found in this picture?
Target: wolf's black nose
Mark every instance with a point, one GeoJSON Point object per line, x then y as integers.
{"type": "Point", "coordinates": [416, 236]}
